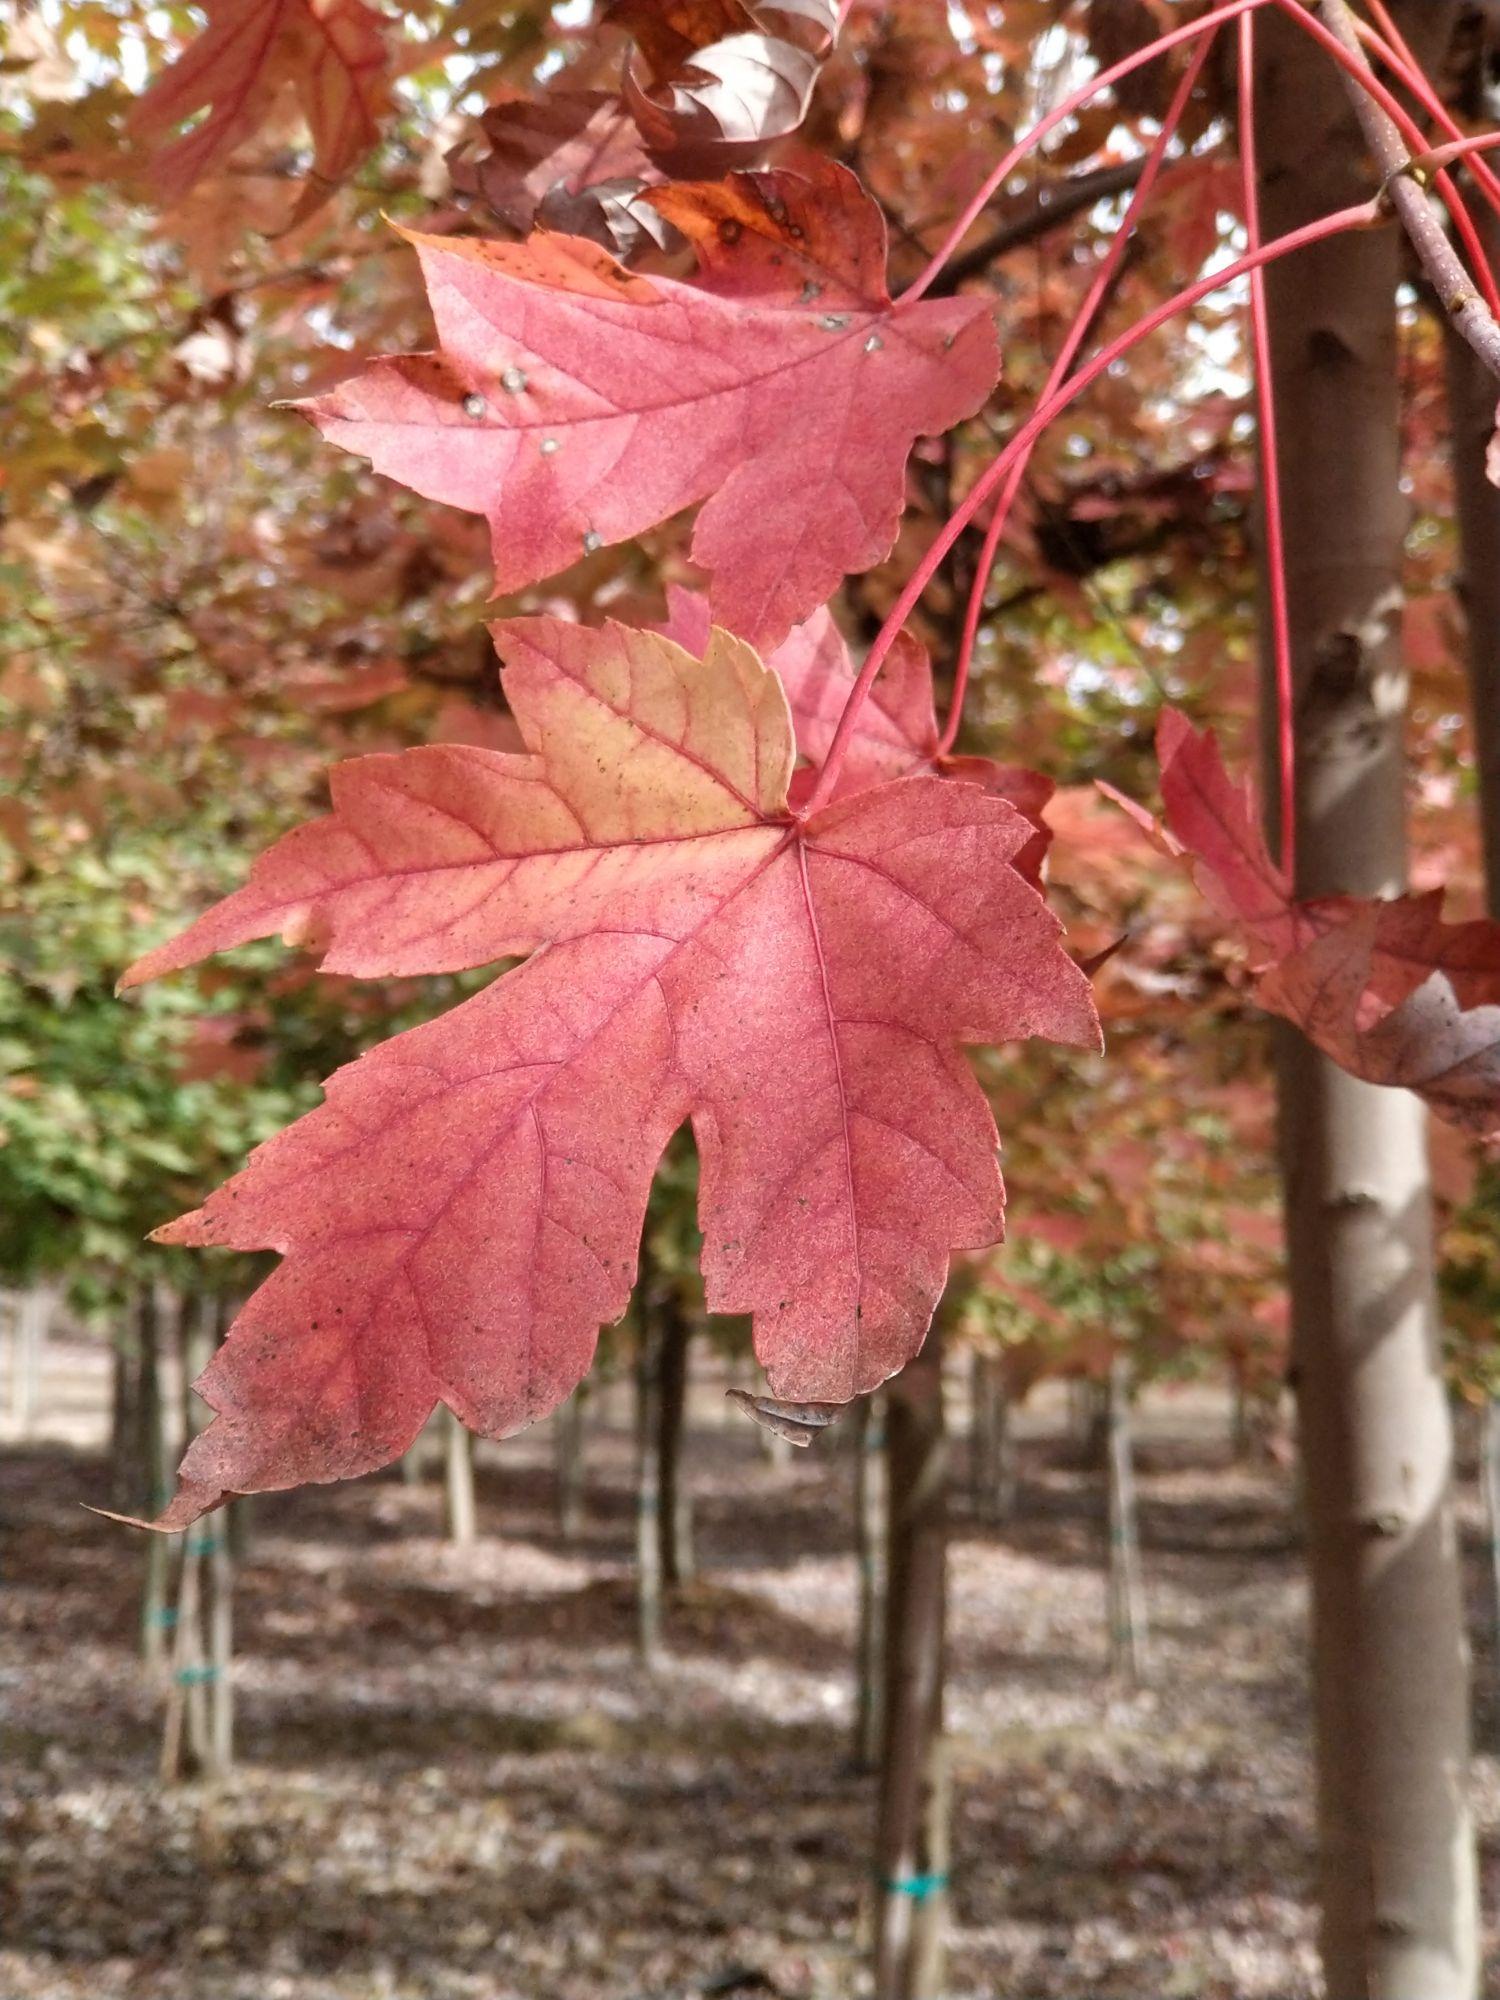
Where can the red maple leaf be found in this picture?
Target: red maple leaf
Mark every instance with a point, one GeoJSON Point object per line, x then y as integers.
{"type": "Point", "coordinates": [573, 404]}
{"type": "Point", "coordinates": [1384, 987]}
{"type": "Point", "coordinates": [464, 1211]}
{"type": "Point", "coordinates": [331, 53]}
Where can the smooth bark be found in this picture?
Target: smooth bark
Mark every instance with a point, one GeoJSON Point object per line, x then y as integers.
{"type": "Point", "coordinates": [1489, 1472]}
{"type": "Point", "coordinates": [871, 1568]}
{"type": "Point", "coordinates": [1126, 1590]}
{"type": "Point", "coordinates": [31, 1313]}
{"type": "Point", "coordinates": [459, 1511]}
{"type": "Point", "coordinates": [1471, 411]}
{"type": "Point", "coordinates": [992, 1461]}
{"type": "Point", "coordinates": [157, 1616]}
{"type": "Point", "coordinates": [648, 1601]}
{"type": "Point", "coordinates": [674, 1502]}
{"type": "Point", "coordinates": [911, 1839]}
{"type": "Point", "coordinates": [198, 1732]}
{"type": "Point", "coordinates": [1397, 1875]}
{"type": "Point", "coordinates": [568, 1463]}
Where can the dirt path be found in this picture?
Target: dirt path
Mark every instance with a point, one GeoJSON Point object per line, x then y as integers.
{"type": "Point", "coordinates": [457, 1785]}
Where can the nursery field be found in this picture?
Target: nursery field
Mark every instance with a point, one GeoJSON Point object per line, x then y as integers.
{"type": "Point", "coordinates": [454, 1782]}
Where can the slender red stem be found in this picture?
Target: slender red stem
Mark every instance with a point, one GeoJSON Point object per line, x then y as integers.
{"type": "Point", "coordinates": [1362, 215]}
{"type": "Point", "coordinates": [1296, 10]}
{"type": "Point", "coordinates": [1270, 464]}
{"type": "Point", "coordinates": [1097, 292]}
{"type": "Point", "coordinates": [1405, 66]}
{"type": "Point", "coordinates": [1395, 52]}
{"type": "Point", "coordinates": [1437, 157]}
{"type": "Point", "coordinates": [1104, 80]}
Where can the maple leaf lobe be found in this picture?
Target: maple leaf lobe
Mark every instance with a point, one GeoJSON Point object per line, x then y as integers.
{"type": "Point", "coordinates": [782, 388]}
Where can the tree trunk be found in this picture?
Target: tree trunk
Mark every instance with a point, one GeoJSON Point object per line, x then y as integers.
{"type": "Point", "coordinates": [221, 1645]}
{"type": "Point", "coordinates": [1389, 1667]}
{"type": "Point", "coordinates": [1471, 410]}
{"type": "Point", "coordinates": [416, 1460]}
{"type": "Point", "coordinates": [567, 1458]}
{"type": "Point", "coordinates": [992, 1461]}
{"type": "Point", "coordinates": [674, 1503]}
{"type": "Point", "coordinates": [647, 1475]}
{"type": "Point", "coordinates": [31, 1312]}
{"type": "Point", "coordinates": [1126, 1593]}
{"type": "Point", "coordinates": [911, 1836]}
{"type": "Point", "coordinates": [198, 1734]}
{"type": "Point", "coordinates": [191, 1359]}
{"type": "Point", "coordinates": [458, 1482]}
{"type": "Point", "coordinates": [870, 1558]}
{"type": "Point", "coordinates": [239, 1514]}
{"type": "Point", "coordinates": [157, 1616]}
{"type": "Point", "coordinates": [1490, 1476]}
{"type": "Point", "coordinates": [125, 1496]}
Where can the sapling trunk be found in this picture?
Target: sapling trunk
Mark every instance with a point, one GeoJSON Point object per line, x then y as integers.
{"type": "Point", "coordinates": [992, 1464]}
{"type": "Point", "coordinates": [31, 1312]}
{"type": "Point", "coordinates": [184, 1690]}
{"type": "Point", "coordinates": [647, 1475]}
{"type": "Point", "coordinates": [870, 1523]}
{"type": "Point", "coordinates": [1471, 410]}
{"type": "Point", "coordinates": [1239, 1416]}
{"type": "Point", "coordinates": [157, 1616]}
{"type": "Point", "coordinates": [125, 1483]}
{"type": "Point", "coordinates": [674, 1503]}
{"type": "Point", "coordinates": [1126, 1590]}
{"type": "Point", "coordinates": [568, 1463]}
{"type": "Point", "coordinates": [221, 1645]}
{"type": "Point", "coordinates": [1489, 1472]}
{"type": "Point", "coordinates": [198, 1732]}
{"type": "Point", "coordinates": [191, 1357]}
{"type": "Point", "coordinates": [459, 1511]}
{"type": "Point", "coordinates": [911, 1835]}
{"type": "Point", "coordinates": [416, 1460]}
{"type": "Point", "coordinates": [239, 1515]}
{"type": "Point", "coordinates": [216, 1544]}
{"type": "Point", "coordinates": [980, 1447]}
{"type": "Point", "coordinates": [1397, 1871]}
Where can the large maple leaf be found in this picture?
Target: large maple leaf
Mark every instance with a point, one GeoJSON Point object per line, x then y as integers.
{"type": "Point", "coordinates": [331, 53]}
{"type": "Point", "coordinates": [463, 1213]}
{"type": "Point", "coordinates": [1383, 986]}
{"type": "Point", "coordinates": [572, 403]}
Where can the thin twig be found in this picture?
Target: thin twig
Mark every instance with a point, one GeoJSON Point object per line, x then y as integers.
{"type": "Point", "coordinates": [1043, 208]}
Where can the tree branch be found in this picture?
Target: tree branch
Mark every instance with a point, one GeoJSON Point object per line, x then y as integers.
{"type": "Point", "coordinates": [1403, 186]}
{"type": "Point", "coordinates": [1048, 207]}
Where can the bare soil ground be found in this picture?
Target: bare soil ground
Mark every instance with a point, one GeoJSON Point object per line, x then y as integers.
{"type": "Point", "coordinates": [457, 1784]}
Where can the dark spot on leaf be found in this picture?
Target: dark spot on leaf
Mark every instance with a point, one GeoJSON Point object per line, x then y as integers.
{"type": "Point", "coordinates": [473, 405]}
{"type": "Point", "coordinates": [834, 322]}
{"type": "Point", "coordinates": [730, 231]}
